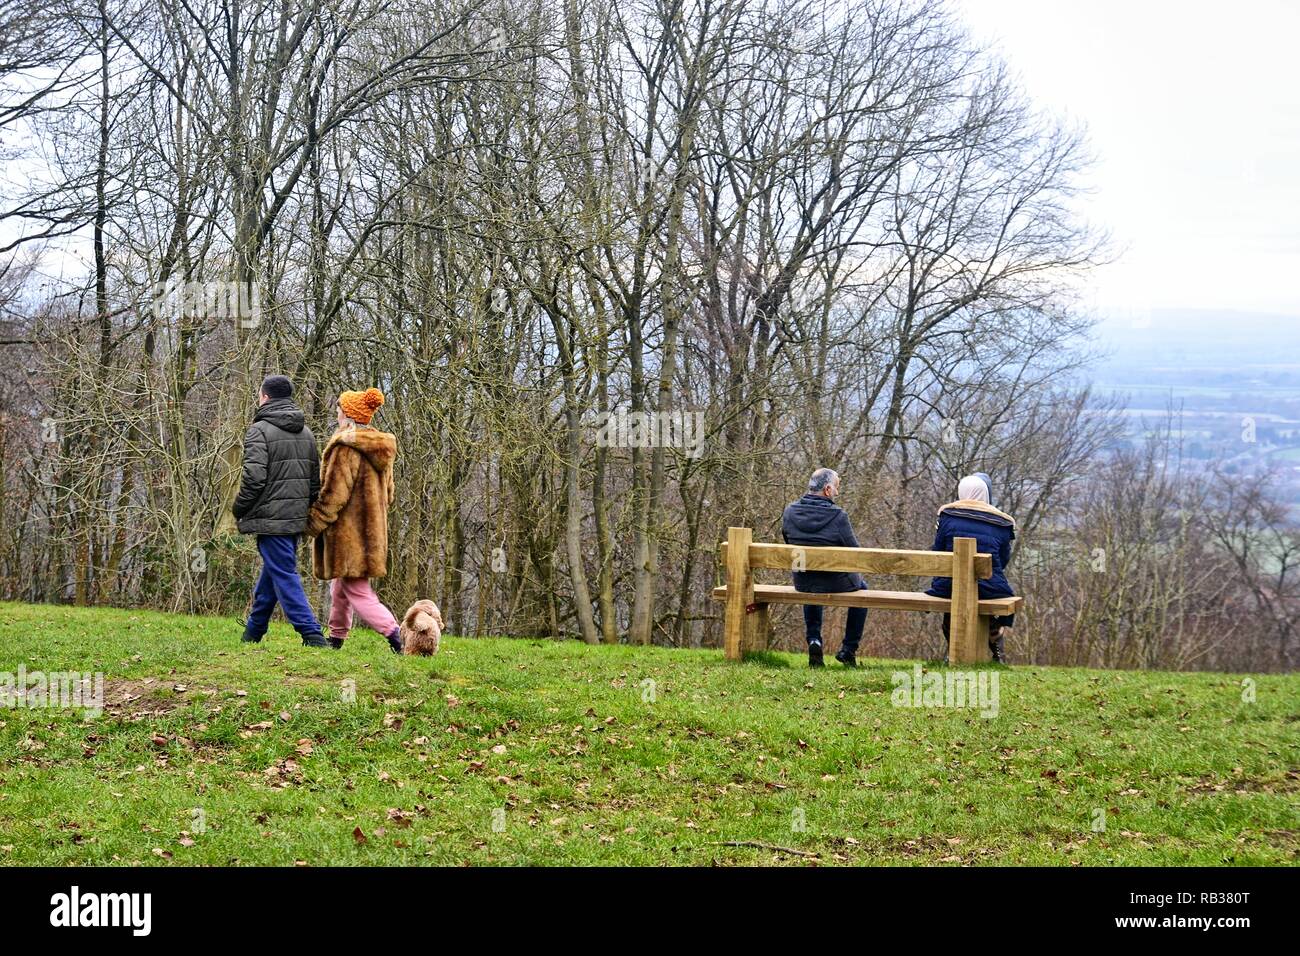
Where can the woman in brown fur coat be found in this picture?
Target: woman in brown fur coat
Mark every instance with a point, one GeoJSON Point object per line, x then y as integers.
{"type": "Point", "coordinates": [349, 519]}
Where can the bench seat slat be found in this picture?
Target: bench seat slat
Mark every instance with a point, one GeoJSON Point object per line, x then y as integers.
{"type": "Point", "coordinates": [890, 600]}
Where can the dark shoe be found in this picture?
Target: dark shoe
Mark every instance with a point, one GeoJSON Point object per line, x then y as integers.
{"type": "Point", "coordinates": [336, 643]}
{"type": "Point", "coordinates": [251, 638]}
{"type": "Point", "coordinates": [815, 656]}
{"type": "Point", "coordinates": [999, 655]}
{"type": "Point", "coordinates": [847, 658]}
{"type": "Point", "coordinates": [314, 640]}
{"type": "Point", "coordinates": [395, 641]}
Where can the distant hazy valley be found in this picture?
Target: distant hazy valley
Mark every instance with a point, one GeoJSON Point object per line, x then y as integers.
{"type": "Point", "coordinates": [1234, 376]}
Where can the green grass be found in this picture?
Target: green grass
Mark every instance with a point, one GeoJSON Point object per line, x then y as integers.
{"type": "Point", "coordinates": [584, 765]}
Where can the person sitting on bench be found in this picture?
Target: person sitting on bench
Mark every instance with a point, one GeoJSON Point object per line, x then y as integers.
{"type": "Point", "coordinates": [972, 515]}
{"type": "Point", "coordinates": [816, 521]}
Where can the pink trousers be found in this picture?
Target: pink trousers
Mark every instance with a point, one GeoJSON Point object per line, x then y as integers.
{"type": "Point", "coordinates": [356, 594]}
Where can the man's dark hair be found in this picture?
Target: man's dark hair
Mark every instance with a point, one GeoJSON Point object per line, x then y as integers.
{"type": "Point", "coordinates": [277, 386]}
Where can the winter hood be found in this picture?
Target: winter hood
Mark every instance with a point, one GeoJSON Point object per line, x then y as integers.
{"type": "Point", "coordinates": [812, 513]}
{"type": "Point", "coordinates": [979, 510]}
{"type": "Point", "coordinates": [379, 448]}
{"type": "Point", "coordinates": [281, 413]}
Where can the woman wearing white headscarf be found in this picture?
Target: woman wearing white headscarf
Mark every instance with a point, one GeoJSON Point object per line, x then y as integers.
{"type": "Point", "coordinates": [972, 515]}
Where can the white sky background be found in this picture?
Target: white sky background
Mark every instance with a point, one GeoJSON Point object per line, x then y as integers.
{"type": "Point", "coordinates": [1193, 112]}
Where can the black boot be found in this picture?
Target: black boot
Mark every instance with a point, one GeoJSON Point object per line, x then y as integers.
{"type": "Point", "coordinates": [250, 638]}
{"type": "Point", "coordinates": [846, 657]}
{"type": "Point", "coordinates": [316, 639]}
{"type": "Point", "coordinates": [395, 641]}
{"type": "Point", "coordinates": [815, 655]}
{"type": "Point", "coordinates": [999, 656]}
{"type": "Point", "coordinates": [336, 643]}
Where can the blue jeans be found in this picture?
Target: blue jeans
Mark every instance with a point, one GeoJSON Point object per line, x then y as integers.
{"type": "Point", "coordinates": [854, 623]}
{"type": "Point", "coordinates": [279, 583]}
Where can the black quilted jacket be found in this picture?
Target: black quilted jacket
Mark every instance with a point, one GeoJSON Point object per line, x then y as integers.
{"type": "Point", "coordinates": [281, 471]}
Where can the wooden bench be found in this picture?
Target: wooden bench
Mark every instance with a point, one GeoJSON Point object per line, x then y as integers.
{"type": "Point", "coordinates": [747, 622]}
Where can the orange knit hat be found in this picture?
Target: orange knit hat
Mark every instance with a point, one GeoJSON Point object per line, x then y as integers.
{"type": "Point", "coordinates": [361, 406]}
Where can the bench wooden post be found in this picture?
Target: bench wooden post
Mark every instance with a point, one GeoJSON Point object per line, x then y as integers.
{"type": "Point", "coordinates": [758, 628]}
{"type": "Point", "coordinates": [740, 592]}
{"type": "Point", "coordinates": [964, 646]}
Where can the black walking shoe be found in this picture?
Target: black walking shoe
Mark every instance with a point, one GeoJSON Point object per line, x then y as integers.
{"type": "Point", "coordinates": [815, 655]}
{"type": "Point", "coordinates": [336, 643]}
{"type": "Point", "coordinates": [251, 638]}
{"type": "Point", "coordinates": [999, 654]}
{"type": "Point", "coordinates": [846, 657]}
{"type": "Point", "coordinates": [314, 640]}
{"type": "Point", "coordinates": [395, 641]}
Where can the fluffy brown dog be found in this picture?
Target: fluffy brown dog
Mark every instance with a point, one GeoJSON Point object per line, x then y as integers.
{"type": "Point", "coordinates": [421, 629]}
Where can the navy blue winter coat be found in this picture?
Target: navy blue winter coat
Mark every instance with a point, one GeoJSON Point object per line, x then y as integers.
{"type": "Point", "coordinates": [993, 531]}
{"type": "Point", "coordinates": [816, 521]}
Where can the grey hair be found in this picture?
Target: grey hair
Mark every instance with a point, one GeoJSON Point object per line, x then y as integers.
{"type": "Point", "coordinates": [822, 478]}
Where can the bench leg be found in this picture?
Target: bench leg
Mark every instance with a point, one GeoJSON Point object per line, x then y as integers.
{"type": "Point", "coordinates": [740, 593]}
{"type": "Point", "coordinates": [758, 628]}
{"type": "Point", "coordinates": [975, 651]}
{"type": "Point", "coordinates": [982, 639]}
{"type": "Point", "coordinates": [966, 646]}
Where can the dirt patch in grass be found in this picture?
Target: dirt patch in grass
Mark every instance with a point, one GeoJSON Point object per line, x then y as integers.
{"type": "Point", "coordinates": [1289, 782]}
{"type": "Point", "coordinates": [143, 697]}
{"type": "Point", "coordinates": [1288, 840]}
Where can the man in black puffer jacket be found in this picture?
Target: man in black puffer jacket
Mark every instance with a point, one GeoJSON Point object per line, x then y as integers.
{"type": "Point", "coordinates": [280, 481]}
{"type": "Point", "coordinates": [816, 520]}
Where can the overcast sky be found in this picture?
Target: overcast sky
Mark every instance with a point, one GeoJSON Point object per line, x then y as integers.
{"type": "Point", "coordinates": [1193, 110]}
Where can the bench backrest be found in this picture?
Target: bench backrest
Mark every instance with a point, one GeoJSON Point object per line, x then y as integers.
{"type": "Point", "coordinates": [793, 557]}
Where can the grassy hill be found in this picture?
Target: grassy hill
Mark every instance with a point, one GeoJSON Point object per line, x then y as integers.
{"type": "Point", "coordinates": [516, 751]}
